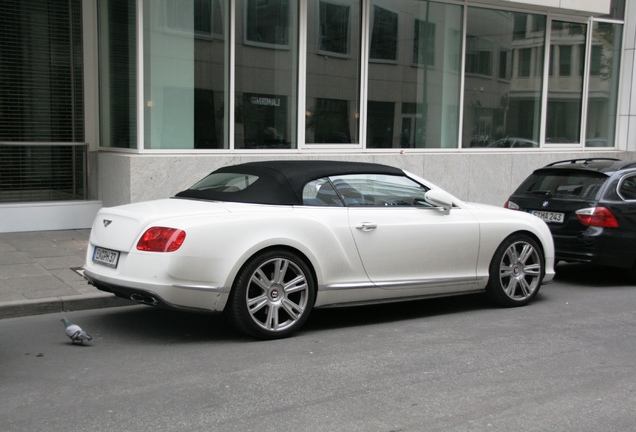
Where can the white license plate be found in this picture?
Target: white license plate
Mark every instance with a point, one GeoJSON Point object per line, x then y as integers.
{"type": "Point", "coordinates": [106, 257]}
{"type": "Point", "coordinates": [549, 216]}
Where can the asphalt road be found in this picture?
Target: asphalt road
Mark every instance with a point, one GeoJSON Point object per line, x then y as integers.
{"type": "Point", "coordinates": [564, 363]}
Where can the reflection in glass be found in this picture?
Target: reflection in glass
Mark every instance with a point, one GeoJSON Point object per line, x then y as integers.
{"type": "Point", "coordinates": [266, 75]}
{"type": "Point", "coordinates": [333, 71]}
{"type": "Point", "coordinates": [603, 84]}
{"type": "Point", "coordinates": [565, 84]}
{"type": "Point", "coordinates": [184, 67]}
{"type": "Point", "coordinates": [617, 10]}
{"type": "Point", "coordinates": [424, 42]}
{"type": "Point", "coordinates": [384, 34]}
{"type": "Point", "coordinates": [413, 102]}
{"type": "Point", "coordinates": [118, 70]}
{"type": "Point", "coordinates": [502, 102]}
{"type": "Point", "coordinates": [335, 19]}
{"type": "Point", "coordinates": [267, 22]}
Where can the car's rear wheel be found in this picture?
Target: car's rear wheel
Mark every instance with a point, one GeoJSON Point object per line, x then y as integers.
{"type": "Point", "coordinates": [272, 295]}
{"type": "Point", "coordinates": [516, 271]}
{"type": "Point", "coordinates": [631, 273]}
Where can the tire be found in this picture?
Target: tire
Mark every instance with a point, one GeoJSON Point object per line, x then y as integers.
{"type": "Point", "coordinates": [631, 274]}
{"type": "Point", "coordinates": [516, 271]}
{"type": "Point", "coordinates": [272, 295]}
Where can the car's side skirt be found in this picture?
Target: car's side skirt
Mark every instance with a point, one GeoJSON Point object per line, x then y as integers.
{"type": "Point", "coordinates": [397, 299]}
{"type": "Point", "coordinates": [368, 293]}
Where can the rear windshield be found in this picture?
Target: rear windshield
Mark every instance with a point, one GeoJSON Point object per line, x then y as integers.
{"type": "Point", "coordinates": [225, 182]}
{"type": "Point", "coordinates": [563, 184]}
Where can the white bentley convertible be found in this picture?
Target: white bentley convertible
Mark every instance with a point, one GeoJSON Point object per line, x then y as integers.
{"type": "Point", "coordinates": [266, 242]}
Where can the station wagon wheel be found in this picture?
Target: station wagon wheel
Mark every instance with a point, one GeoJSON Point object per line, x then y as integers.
{"type": "Point", "coordinates": [272, 296]}
{"type": "Point", "coordinates": [516, 271]}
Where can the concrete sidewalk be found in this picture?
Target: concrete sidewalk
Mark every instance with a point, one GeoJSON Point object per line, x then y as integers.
{"type": "Point", "coordinates": [40, 272]}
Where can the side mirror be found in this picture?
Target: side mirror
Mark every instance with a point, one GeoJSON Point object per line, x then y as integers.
{"type": "Point", "coordinates": [439, 198]}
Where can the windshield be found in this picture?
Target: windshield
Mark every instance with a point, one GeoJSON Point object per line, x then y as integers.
{"type": "Point", "coordinates": [564, 184]}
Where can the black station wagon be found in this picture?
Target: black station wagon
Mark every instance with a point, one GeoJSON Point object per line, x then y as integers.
{"type": "Point", "coordinates": [589, 206]}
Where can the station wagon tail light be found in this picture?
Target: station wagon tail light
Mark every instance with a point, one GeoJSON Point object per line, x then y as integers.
{"type": "Point", "coordinates": [511, 205]}
{"type": "Point", "coordinates": [597, 217]}
{"type": "Point", "coordinates": [161, 239]}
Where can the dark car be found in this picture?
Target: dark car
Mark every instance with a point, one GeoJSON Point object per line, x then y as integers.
{"type": "Point", "coordinates": [512, 142]}
{"type": "Point", "coordinates": [589, 206]}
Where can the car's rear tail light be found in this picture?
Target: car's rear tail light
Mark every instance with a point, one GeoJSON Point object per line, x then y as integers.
{"type": "Point", "coordinates": [161, 239]}
{"type": "Point", "coordinates": [511, 205]}
{"type": "Point", "coordinates": [597, 217]}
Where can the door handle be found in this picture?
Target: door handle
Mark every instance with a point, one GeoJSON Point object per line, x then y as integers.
{"type": "Point", "coordinates": [366, 226]}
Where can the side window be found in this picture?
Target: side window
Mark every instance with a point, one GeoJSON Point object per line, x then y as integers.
{"type": "Point", "coordinates": [627, 188]}
{"type": "Point", "coordinates": [225, 182]}
{"type": "Point", "coordinates": [320, 192]}
{"type": "Point", "coordinates": [378, 190]}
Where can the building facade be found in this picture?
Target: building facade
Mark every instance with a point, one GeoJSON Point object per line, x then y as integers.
{"type": "Point", "coordinates": [106, 102]}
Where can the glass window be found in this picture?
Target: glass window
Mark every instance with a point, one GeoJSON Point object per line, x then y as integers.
{"type": "Point", "coordinates": [42, 155]}
{"type": "Point", "coordinates": [267, 22]}
{"type": "Point", "coordinates": [424, 43]}
{"type": "Point", "coordinates": [627, 188]}
{"type": "Point", "coordinates": [225, 182]}
{"type": "Point", "coordinates": [505, 67]}
{"type": "Point", "coordinates": [478, 56]}
{"type": "Point", "coordinates": [384, 34]}
{"type": "Point", "coordinates": [184, 74]}
{"type": "Point", "coordinates": [335, 19]}
{"type": "Point", "coordinates": [565, 60]}
{"type": "Point", "coordinates": [520, 26]}
{"type": "Point", "coordinates": [207, 17]}
{"type": "Point", "coordinates": [414, 102]}
{"type": "Point", "coordinates": [333, 72]}
{"type": "Point", "coordinates": [525, 62]}
{"type": "Point", "coordinates": [565, 85]}
{"type": "Point", "coordinates": [118, 70]}
{"type": "Point", "coordinates": [596, 60]}
{"type": "Point", "coordinates": [379, 190]}
{"type": "Point", "coordinates": [321, 193]}
{"type": "Point", "coordinates": [563, 184]}
{"type": "Point", "coordinates": [617, 10]}
{"type": "Point", "coordinates": [266, 75]}
{"type": "Point", "coordinates": [603, 84]}
{"type": "Point", "coordinates": [503, 113]}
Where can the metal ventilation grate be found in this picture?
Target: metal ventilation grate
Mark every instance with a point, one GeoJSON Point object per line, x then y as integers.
{"type": "Point", "coordinates": [42, 172]}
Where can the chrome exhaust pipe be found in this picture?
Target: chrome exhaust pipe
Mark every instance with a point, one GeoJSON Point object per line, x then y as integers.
{"type": "Point", "coordinates": [144, 299]}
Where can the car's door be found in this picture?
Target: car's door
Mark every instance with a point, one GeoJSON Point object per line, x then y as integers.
{"type": "Point", "coordinates": [406, 243]}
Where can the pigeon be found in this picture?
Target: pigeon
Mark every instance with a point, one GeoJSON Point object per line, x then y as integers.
{"type": "Point", "coordinates": [75, 332]}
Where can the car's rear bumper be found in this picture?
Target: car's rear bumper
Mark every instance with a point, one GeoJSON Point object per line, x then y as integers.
{"type": "Point", "coordinates": [601, 246]}
{"type": "Point", "coordinates": [169, 297]}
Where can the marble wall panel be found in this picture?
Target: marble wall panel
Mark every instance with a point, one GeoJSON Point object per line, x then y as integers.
{"type": "Point", "coordinates": [486, 177]}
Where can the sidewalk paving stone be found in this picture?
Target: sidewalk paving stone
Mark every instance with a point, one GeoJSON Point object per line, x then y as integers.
{"type": "Point", "coordinates": [40, 272]}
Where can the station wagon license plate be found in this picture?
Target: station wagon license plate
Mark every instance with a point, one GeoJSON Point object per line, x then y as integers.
{"type": "Point", "coordinates": [548, 216]}
{"type": "Point", "coordinates": [106, 257]}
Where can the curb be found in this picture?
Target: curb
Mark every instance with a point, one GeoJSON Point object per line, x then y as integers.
{"type": "Point", "coordinates": [20, 308]}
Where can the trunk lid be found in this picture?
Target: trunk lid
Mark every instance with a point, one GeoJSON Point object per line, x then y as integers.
{"type": "Point", "coordinates": [119, 228]}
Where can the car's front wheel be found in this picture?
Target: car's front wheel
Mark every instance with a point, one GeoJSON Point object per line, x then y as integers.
{"type": "Point", "coordinates": [516, 271]}
{"type": "Point", "coordinates": [272, 295]}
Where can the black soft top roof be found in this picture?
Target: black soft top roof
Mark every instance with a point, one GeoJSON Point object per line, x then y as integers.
{"type": "Point", "coordinates": [281, 182]}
